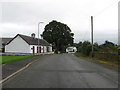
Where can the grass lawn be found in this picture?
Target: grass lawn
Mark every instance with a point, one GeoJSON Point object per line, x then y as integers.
{"type": "Point", "coordinates": [13, 58]}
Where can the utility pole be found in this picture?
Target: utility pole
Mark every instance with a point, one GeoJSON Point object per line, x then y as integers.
{"type": "Point", "coordinates": [92, 34]}
{"type": "Point", "coordinates": [38, 38]}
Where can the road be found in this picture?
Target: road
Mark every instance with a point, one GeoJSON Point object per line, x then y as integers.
{"type": "Point", "coordinates": [64, 71]}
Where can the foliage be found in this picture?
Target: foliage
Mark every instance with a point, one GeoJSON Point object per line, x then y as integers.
{"type": "Point", "coordinates": [108, 47]}
{"type": "Point", "coordinates": [85, 47]}
{"type": "Point", "coordinates": [119, 57]}
{"type": "Point", "coordinates": [80, 54]}
{"type": "Point", "coordinates": [106, 53]}
{"type": "Point", "coordinates": [59, 35]}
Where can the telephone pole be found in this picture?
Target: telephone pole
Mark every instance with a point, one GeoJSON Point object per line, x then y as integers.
{"type": "Point", "coordinates": [92, 34]}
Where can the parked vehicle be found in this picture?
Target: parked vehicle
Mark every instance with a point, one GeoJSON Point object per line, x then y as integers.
{"type": "Point", "coordinates": [71, 49]}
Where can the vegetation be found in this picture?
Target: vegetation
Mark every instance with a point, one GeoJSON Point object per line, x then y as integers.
{"type": "Point", "coordinates": [59, 35]}
{"type": "Point", "coordinates": [13, 58]}
{"type": "Point", "coordinates": [107, 52]}
{"type": "Point", "coordinates": [97, 60]}
{"type": "Point", "coordinates": [107, 47]}
{"type": "Point", "coordinates": [80, 54]}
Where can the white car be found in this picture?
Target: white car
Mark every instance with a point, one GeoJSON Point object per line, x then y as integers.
{"type": "Point", "coordinates": [71, 49]}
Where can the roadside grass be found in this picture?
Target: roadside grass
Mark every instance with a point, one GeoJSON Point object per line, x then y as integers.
{"type": "Point", "coordinates": [12, 58]}
{"type": "Point", "coordinates": [80, 54]}
{"type": "Point", "coordinates": [97, 60]}
{"type": "Point", "coordinates": [119, 57]}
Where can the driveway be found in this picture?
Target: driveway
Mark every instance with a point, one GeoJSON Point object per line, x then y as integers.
{"type": "Point", "coordinates": [64, 71]}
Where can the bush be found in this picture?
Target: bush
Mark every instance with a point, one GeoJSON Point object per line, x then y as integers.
{"type": "Point", "coordinates": [56, 51]}
{"type": "Point", "coordinates": [86, 48]}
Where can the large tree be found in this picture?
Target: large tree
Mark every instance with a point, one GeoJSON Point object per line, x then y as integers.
{"type": "Point", "coordinates": [58, 34]}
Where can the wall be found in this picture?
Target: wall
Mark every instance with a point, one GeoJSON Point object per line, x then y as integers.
{"type": "Point", "coordinates": [18, 45]}
{"type": "Point", "coordinates": [35, 48]}
{"type": "Point", "coordinates": [43, 49]}
{"type": "Point", "coordinates": [50, 48]}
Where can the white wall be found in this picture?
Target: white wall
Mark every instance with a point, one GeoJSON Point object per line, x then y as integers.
{"type": "Point", "coordinates": [45, 48]}
{"type": "Point", "coordinates": [18, 45]}
{"type": "Point", "coordinates": [42, 47]}
{"type": "Point", "coordinates": [50, 48]}
{"type": "Point", "coordinates": [35, 48]}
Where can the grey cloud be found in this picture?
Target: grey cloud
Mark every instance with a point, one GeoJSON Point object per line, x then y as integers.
{"type": "Point", "coordinates": [75, 13]}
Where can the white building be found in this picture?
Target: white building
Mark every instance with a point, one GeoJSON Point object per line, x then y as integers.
{"type": "Point", "coordinates": [71, 49]}
{"type": "Point", "coordinates": [26, 44]}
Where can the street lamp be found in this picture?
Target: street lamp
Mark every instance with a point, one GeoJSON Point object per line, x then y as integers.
{"type": "Point", "coordinates": [38, 37]}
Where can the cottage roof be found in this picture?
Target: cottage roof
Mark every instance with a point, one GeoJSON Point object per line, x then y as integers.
{"type": "Point", "coordinates": [5, 40]}
{"type": "Point", "coordinates": [32, 40]}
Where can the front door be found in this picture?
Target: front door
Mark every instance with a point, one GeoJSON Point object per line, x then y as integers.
{"type": "Point", "coordinates": [33, 49]}
{"type": "Point", "coordinates": [38, 49]}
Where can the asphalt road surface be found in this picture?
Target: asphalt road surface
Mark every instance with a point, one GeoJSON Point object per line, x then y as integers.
{"type": "Point", "coordinates": [64, 71]}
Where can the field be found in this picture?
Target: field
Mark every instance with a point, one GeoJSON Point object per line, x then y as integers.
{"type": "Point", "coordinates": [12, 58]}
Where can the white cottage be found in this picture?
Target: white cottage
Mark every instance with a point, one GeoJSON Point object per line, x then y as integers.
{"type": "Point", "coordinates": [26, 44]}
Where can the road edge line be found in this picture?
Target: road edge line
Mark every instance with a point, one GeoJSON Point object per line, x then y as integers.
{"type": "Point", "coordinates": [13, 74]}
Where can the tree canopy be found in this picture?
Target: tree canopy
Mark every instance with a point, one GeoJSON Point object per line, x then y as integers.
{"type": "Point", "coordinates": [58, 34]}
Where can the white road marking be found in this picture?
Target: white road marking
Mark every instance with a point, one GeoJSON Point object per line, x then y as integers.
{"type": "Point", "coordinates": [17, 71]}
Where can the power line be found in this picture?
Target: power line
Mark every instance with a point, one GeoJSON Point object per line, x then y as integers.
{"type": "Point", "coordinates": [106, 8]}
{"type": "Point", "coordinates": [99, 13]}
{"type": "Point", "coordinates": [86, 31]}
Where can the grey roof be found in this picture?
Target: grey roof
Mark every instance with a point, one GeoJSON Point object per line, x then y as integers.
{"type": "Point", "coordinates": [32, 40]}
{"type": "Point", "coordinates": [5, 40]}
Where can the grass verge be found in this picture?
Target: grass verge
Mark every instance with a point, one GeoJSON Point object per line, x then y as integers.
{"type": "Point", "coordinates": [96, 60]}
{"type": "Point", "coordinates": [12, 58]}
{"type": "Point", "coordinates": [80, 55]}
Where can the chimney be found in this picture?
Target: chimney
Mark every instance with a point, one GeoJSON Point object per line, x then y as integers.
{"type": "Point", "coordinates": [41, 36]}
{"type": "Point", "coordinates": [33, 35]}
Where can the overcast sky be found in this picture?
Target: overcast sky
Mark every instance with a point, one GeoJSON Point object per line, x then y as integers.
{"type": "Point", "coordinates": [23, 16]}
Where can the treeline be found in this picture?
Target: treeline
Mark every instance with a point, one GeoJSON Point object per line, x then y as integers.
{"type": "Point", "coordinates": [86, 47]}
